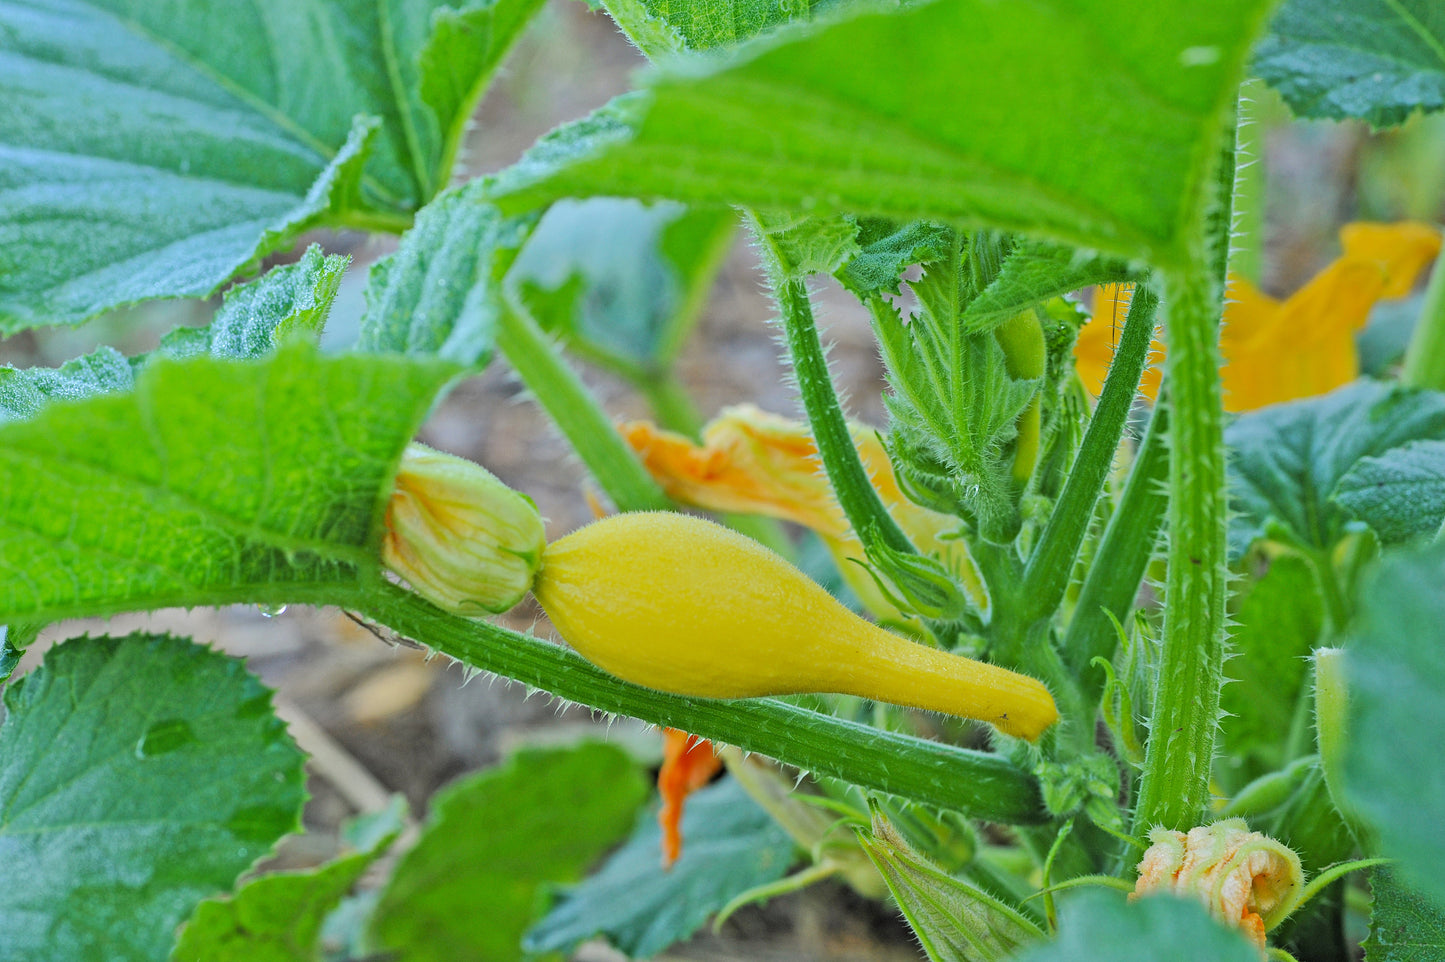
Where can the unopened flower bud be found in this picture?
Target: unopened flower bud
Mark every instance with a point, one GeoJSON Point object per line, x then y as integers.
{"type": "Point", "coordinates": [461, 538]}
{"type": "Point", "coordinates": [1244, 878]}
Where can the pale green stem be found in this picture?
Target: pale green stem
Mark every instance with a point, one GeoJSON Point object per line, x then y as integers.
{"type": "Point", "coordinates": [978, 784]}
{"type": "Point", "coordinates": [577, 414]}
{"type": "Point", "coordinates": [1174, 787]}
{"type": "Point", "coordinates": [1052, 561]}
{"type": "Point", "coordinates": [855, 493]}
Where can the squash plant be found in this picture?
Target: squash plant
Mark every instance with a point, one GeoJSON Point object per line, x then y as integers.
{"type": "Point", "coordinates": [1000, 155]}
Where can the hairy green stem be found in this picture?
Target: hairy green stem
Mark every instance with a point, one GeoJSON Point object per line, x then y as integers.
{"type": "Point", "coordinates": [855, 493]}
{"type": "Point", "coordinates": [1047, 576]}
{"type": "Point", "coordinates": [1425, 357]}
{"type": "Point", "coordinates": [577, 414]}
{"type": "Point", "coordinates": [977, 784]}
{"type": "Point", "coordinates": [1174, 786]}
{"type": "Point", "coordinates": [1113, 580]}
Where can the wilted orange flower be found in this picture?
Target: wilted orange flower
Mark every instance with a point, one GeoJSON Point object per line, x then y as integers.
{"type": "Point", "coordinates": [688, 763]}
{"type": "Point", "coordinates": [1281, 350]}
{"type": "Point", "coordinates": [1243, 878]}
{"type": "Point", "coordinates": [753, 462]}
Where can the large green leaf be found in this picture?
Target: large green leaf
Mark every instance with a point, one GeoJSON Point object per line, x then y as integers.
{"type": "Point", "coordinates": [1401, 493]}
{"type": "Point", "coordinates": [622, 281]}
{"type": "Point", "coordinates": [730, 845]}
{"type": "Point", "coordinates": [1404, 925]}
{"type": "Point", "coordinates": [1102, 927]}
{"type": "Point", "coordinates": [437, 295]}
{"type": "Point", "coordinates": [152, 150]}
{"type": "Point", "coordinates": [1396, 664]}
{"type": "Point", "coordinates": [138, 775]}
{"type": "Point", "coordinates": [1278, 625]}
{"type": "Point", "coordinates": [1377, 60]}
{"type": "Point", "coordinates": [1286, 460]}
{"type": "Point", "coordinates": [1087, 122]}
{"type": "Point", "coordinates": [212, 482]}
{"type": "Point", "coordinates": [286, 302]}
{"type": "Point", "coordinates": [471, 885]}
{"type": "Point", "coordinates": [278, 918]}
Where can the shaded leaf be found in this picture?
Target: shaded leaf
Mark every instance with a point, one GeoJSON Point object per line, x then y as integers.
{"type": "Point", "coordinates": [1404, 925]}
{"type": "Point", "coordinates": [471, 885]}
{"type": "Point", "coordinates": [212, 482]}
{"type": "Point", "coordinates": [285, 302]}
{"type": "Point", "coordinates": [1287, 459]}
{"type": "Point", "coordinates": [138, 775]}
{"type": "Point", "coordinates": [437, 295]}
{"type": "Point", "coordinates": [1035, 272]}
{"type": "Point", "coordinates": [278, 918]}
{"type": "Point", "coordinates": [732, 846]}
{"type": "Point", "coordinates": [1396, 668]}
{"type": "Point", "coordinates": [1278, 624]}
{"type": "Point", "coordinates": [887, 250]}
{"type": "Point", "coordinates": [1375, 60]}
{"type": "Point", "coordinates": [933, 129]}
{"type": "Point", "coordinates": [622, 281]}
{"type": "Point", "coordinates": [143, 159]}
{"type": "Point", "coordinates": [1401, 493]}
{"type": "Point", "coordinates": [1102, 927]}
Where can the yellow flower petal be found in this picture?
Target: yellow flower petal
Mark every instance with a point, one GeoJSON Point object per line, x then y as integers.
{"type": "Point", "coordinates": [1277, 351]}
{"type": "Point", "coordinates": [753, 462]}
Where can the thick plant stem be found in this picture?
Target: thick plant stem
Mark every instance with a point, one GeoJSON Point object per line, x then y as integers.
{"type": "Point", "coordinates": [577, 414]}
{"type": "Point", "coordinates": [1175, 782]}
{"type": "Point", "coordinates": [1047, 575]}
{"type": "Point", "coordinates": [855, 492]}
{"type": "Point", "coordinates": [978, 784]}
{"type": "Point", "coordinates": [1119, 565]}
{"type": "Point", "coordinates": [1425, 358]}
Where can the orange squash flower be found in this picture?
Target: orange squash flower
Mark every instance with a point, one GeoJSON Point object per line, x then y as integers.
{"type": "Point", "coordinates": [1281, 350]}
{"type": "Point", "coordinates": [752, 462]}
{"type": "Point", "coordinates": [688, 763]}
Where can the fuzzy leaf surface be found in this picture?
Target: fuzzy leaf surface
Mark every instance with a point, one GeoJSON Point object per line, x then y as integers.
{"type": "Point", "coordinates": [212, 482]}
{"type": "Point", "coordinates": [1287, 459]}
{"type": "Point", "coordinates": [1373, 60]}
{"type": "Point", "coordinates": [1101, 925]}
{"type": "Point", "coordinates": [437, 295]}
{"type": "Point", "coordinates": [664, 27]}
{"type": "Point", "coordinates": [730, 845]}
{"type": "Point", "coordinates": [1401, 493]}
{"type": "Point", "coordinates": [138, 775]}
{"type": "Point", "coordinates": [1405, 926]}
{"type": "Point", "coordinates": [1083, 122]}
{"type": "Point", "coordinates": [1035, 272]}
{"type": "Point", "coordinates": [278, 917]}
{"type": "Point", "coordinates": [1396, 670]}
{"type": "Point", "coordinates": [1279, 624]}
{"type": "Point", "coordinates": [142, 158]}
{"type": "Point", "coordinates": [471, 886]}
{"type": "Point", "coordinates": [620, 280]}
{"type": "Point", "coordinates": [286, 302]}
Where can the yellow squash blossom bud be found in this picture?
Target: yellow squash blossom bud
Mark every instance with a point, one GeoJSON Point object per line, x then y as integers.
{"type": "Point", "coordinates": [684, 605]}
{"type": "Point", "coordinates": [1244, 878]}
{"type": "Point", "coordinates": [461, 538]}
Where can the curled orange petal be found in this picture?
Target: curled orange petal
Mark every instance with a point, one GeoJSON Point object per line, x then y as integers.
{"type": "Point", "coordinates": [754, 462]}
{"type": "Point", "coordinates": [688, 763]}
